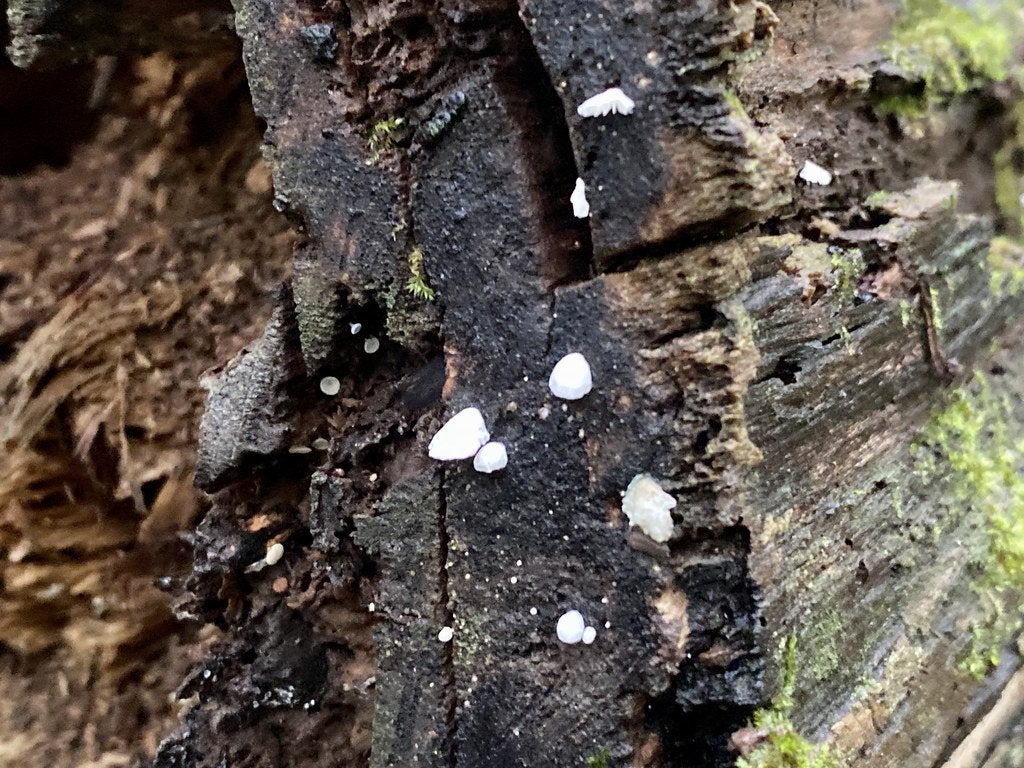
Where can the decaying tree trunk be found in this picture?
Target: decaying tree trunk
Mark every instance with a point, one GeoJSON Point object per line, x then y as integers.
{"type": "Point", "coordinates": [826, 377]}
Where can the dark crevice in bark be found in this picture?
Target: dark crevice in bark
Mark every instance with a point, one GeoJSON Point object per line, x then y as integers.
{"type": "Point", "coordinates": [548, 156]}
{"type": "Point", "coordinates": [720, 683]}
{"type": "Point", "coordinates": [446, 619]}
{"type": "Point", "coordinates": [550, 338]}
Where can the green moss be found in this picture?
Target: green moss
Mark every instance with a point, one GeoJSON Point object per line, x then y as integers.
{"type": "Point", "coordinates": [877, 199]}
{"type": "Point", "coordinates": [1007, 169]}
{"type": "Point", "coordinates": [849, 267]}
{"type": "Point", "coordinates": [970, 435]}
{"type": "Point", "coordinates": [844, 336]}
{"type": "Point", "coordinates": [1006, 270]}
{"type": "Point", "coordinates": [897, 501]}
{"type": "Point", "coordinates": [1007, 185]}
{"type": "Point", "coordinates": [382, 138]}
{"type": "Point", "coordinates": [600, 759]}
{"type": "Point", "coordinates": [783, 746]}
{"type": "Point", "coordinates": [734, 102]}
{"type": "Point", "coordinates": [417, 284]}
{"type": "Point", "coordinates": [950, 48]}
{"type": "Point", "coordinates": [822, 640]}
{"type": "Point", "coordinates": [913, 106]}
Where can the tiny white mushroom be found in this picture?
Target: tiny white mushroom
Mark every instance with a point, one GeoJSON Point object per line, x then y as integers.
{"type": "Point", "coordinates": [491, 458]}
{"type": "Point", "coordinates": [578, 198]}
{"type": "Point", "coordinates": [355, 328]}
{"type": "Point", "coordinates": [274, 553]}
{"type": "Point", "coordinates": [460, 438]}
{"type": "Point", "coordinates": [571, 378]}
{"type": "Point", "coordinates": [570, 627]}
{"type": "Point", "coordinates": [648, 507]}
{"type": "Point", "coordinates": [330, 385]}
{"type": "Point", "coordinates": [813, 173]}
{"type": "Point", "coordinates": [371, 345]}
{"type": "Point", "coordinates": [446, 634]}
{"type": "Point", "coordinates": [321, 444]}
{"type": "Point", "coordinates": [589, 636]}
{"type": "Point", "coordinates": [612, 101]}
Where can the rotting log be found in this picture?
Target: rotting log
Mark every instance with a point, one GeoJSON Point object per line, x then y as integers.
{"type": "Point", "coordinates": [796, 365]}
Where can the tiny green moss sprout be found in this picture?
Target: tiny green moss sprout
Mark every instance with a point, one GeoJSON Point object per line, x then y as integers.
{"type": "Point", "coordinates": [417, 284]}
{"type": "Point", "coordinates": [849, 267]}
{"type": "Point", "coordinates": [970, 434]}
{"type": "Point", "coordinates": [734, 102]}
{"type": "Point", "coordinates": [844, 336]}
{"type": "Point", "coordinates": [419, 288]}
{"type": "Point", "coordinates": [952, 49]}
{"type": "Point", "coordinates": [783, 747]}
{"type": "Point", "coordinates": [600, 759]}
{"type": "Point", "coordinates": [382, 138]}
{"type": "Point", "coordinates": [877, 199]}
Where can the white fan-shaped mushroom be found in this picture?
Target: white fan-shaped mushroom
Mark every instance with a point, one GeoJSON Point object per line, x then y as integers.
{"type": "Point", "coordinates": [813, 173]}
{"type": "Point", "coordinates": [571, 378]}
{"type": "Point", "coordinates": [570, 627]}
{"type": "Point", "coordinates": [648, 507]}
{"type": "Point", "coordinates": [491, 458]}
{"type": "Point", "coordinates": [613, 101]}
{"type": "Point", "coordinates": [578, 198]}
{"type": "Point", "coordinates": [460, 438]}
{"type": "Point", "coordinates": [589, 635]}
{"type": "Point", "coordinates": [446, 634]}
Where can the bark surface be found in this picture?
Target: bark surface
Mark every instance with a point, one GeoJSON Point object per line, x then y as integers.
{"type": "Point", "coordinates": [796, 364]}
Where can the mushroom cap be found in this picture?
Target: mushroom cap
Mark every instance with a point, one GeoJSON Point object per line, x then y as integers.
{"type": "Point", "coordinates": [330, 385]}
{"type": "Point", "coordinates": [274, 553]}
{"type": "Point", "coordinates": [813, 173]}
{"type": "Point", "coordinates": [460, 438]}
{"type": "Point", "coordinates": [570, 627]}
{"type": "Point", "coordinates": [612, 101]}
{"type": "Point", "coordinates": [491, 458]}
{"type": "Point", "coordinates": [571, 378]}
{"type": "Point", "coordinates": [578, 198]}
{"type": "Point", "coordinates": [589, 635]}
{"type": "Point", "coordinates": [446, 634]}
